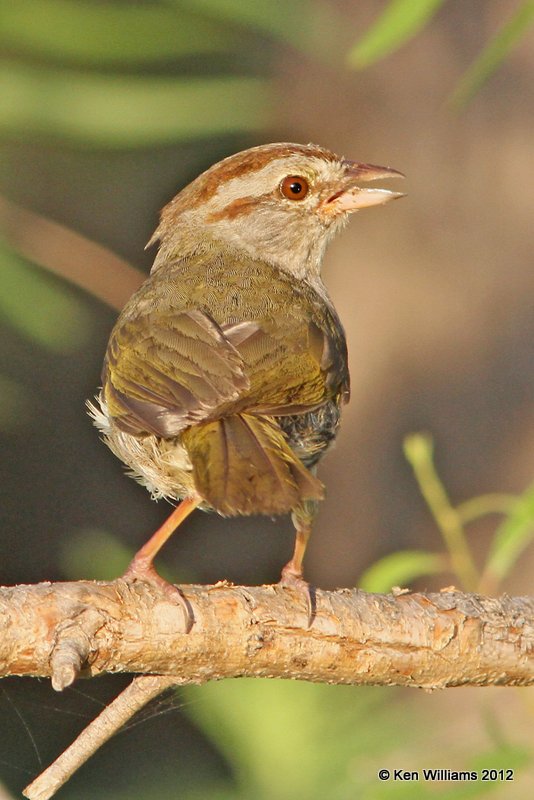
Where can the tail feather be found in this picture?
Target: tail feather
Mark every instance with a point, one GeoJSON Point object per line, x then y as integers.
{"type": "Point", "coordinates": [242, 464]}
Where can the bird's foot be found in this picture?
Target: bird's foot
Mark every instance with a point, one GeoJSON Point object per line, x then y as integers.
{"type": "Point", "coordinates": [294, 579]}
{"type": "Point", "coordinates": [140, 569]}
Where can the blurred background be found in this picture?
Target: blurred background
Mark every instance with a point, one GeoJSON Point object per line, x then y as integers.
{"type": "Point", "coordinates": [106, 111]}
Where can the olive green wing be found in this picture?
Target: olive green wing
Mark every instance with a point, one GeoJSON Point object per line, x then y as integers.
{"type": "Point", "coordinates": [164, 371]}
{"type": "Point", "coordinates": [293, 364]}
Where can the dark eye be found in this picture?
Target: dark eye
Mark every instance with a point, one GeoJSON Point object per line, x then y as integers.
{"type": "Point", "coordinates": [294, 187]}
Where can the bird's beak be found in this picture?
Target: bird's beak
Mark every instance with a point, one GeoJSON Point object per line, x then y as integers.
{"type": "Point", "coordinates": [351, 197]}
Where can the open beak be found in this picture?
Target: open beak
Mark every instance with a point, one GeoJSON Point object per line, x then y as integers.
{"type": "Point", "coordinates": [351, 197]}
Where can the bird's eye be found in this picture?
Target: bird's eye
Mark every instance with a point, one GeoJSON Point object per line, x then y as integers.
{"type": "Point", "coordinates": [294, 187]}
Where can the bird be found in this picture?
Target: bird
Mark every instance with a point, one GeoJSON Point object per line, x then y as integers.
{"type": "Point", "coordinates": [226, 372]}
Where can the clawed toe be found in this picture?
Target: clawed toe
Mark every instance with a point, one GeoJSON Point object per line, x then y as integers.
{"type": "Point", "coordinates": [295, 581]}
{"type": "Point", "coordinates": [146, 572]}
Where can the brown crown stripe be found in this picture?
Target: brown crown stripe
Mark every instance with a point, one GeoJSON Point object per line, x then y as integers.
{"type": "Point", "coordinates": [254, 159]}
{"type": "Point", "coordinates": [238, 207]}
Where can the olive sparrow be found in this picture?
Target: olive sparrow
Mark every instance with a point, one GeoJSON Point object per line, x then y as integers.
{"type": "Point", "coordinates": [226, 371]}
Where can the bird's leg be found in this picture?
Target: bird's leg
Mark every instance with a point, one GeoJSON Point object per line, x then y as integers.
{"type": "Point", "coordinates": [302, 517]}
{"type": "Point", "coordinates": [142, 561]}
{"type": "Point", "coordinates": [142, 568]}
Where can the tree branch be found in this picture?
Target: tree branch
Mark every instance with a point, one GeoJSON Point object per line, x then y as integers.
{"type": "Point", "coordinates": [66, 630]}
{"type": "Point", "coordinates": [431, 640]}
{"type": "Point", "coordinates": [74, 257]}
{"type": "Point", "coordinates": [140, 691]}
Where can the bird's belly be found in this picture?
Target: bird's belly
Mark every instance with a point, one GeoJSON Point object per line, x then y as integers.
{"type": "Point", "coordinates": [160, 465]}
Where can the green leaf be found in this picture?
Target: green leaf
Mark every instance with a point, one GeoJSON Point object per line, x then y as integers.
{"type": "Point", "coordinates": [493, 503]}
{"type": "Point", "coordinates": [493, 55]}
{"type": "Point", "coordinates": [398, 23]}
{"type": "Point", "coordinates": [398, 569]}
{"type": "Point", "coordinates": [311, 27]}
{"type": "Point", "coordinates": [118, 111]}
{"type": "Point", "coordinates": [511, 537]}
{"type": "Point", "coordinates": [112, 34]}
{"type": "Point", "coordinates": [418, 449]}
{"type": "Point", "coordinates": [41, 307]}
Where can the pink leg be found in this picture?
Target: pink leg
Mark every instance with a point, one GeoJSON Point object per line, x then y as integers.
{"type": "Point", "coordinates": [292, 572]}
{"type": "Point", "coordinates": [142, 568]}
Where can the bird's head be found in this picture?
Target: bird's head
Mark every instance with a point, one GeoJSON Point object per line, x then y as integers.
{"type": "Point", "coordinates": [277, 202]}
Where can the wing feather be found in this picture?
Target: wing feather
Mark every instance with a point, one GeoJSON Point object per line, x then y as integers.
{"type": "Point", "coordinates": [165, 371]}
{"type": "Point", "coordinates": [169, 366]}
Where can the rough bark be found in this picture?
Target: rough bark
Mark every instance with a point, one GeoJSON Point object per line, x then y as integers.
{"type": "Point", "coordinates": [429, 640]}
{"type": "Point", "coordinates": [69, 630]}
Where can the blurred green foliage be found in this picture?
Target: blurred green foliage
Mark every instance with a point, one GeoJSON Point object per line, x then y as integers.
{"type": "Point", "coordinates": [510, 538]}
{"type": "Point", "coordinates": [508, 542]}
{"type": "Point", "coordinates": [400, 569]}
{"type": "Point", "coordinates": [114, 102]}
{"type": "Point", "coordinates": [493, 54]}
{"type": "Point", "coordinates": [401, 20]}
{"type": "Point", "coordinates": [514, 533]}
{"type": "Point", "coordinates": [102, 554]}
{"type": "Point", "coordinates": [82, 72]}
{"type": "Point", "coordinates": [78, 555]}
{"type": "Point", "coordinates": [286, 740]}
{"type": "Point", "coordinates": [105, 35]}
{"type": "Point", "coordinates": [45, 312]}
{"type": "Point", "coordinates": [121, 111]}
{"type": "Point", "coordinates": [40, 307]}
{"type": "Point", "coordinates": [311, 26]}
